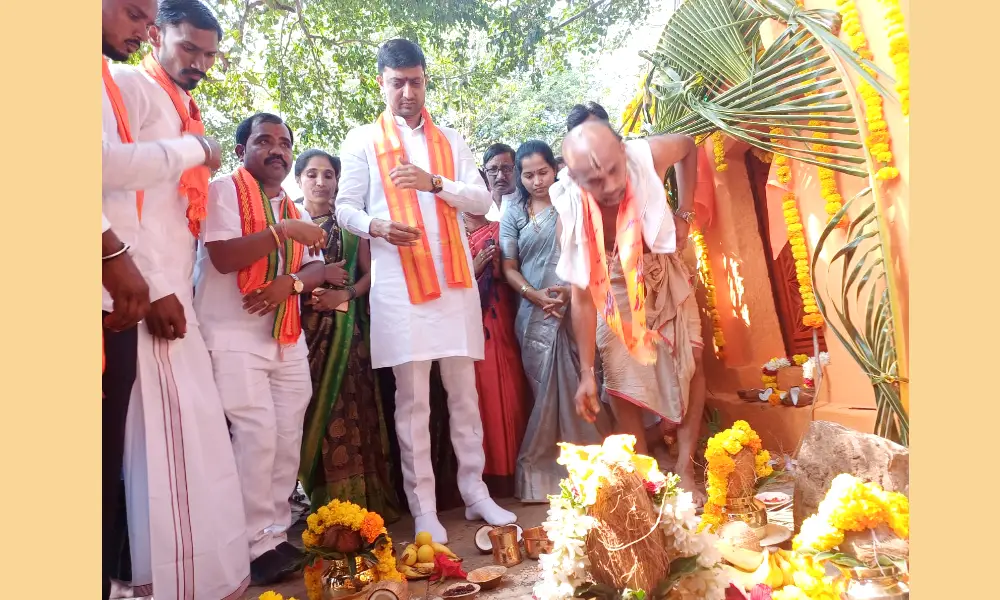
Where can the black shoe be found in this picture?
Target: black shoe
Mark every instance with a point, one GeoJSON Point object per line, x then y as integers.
{"type": "Point", "coordinates": [269, 568]}
{"type": "Point", "coordinates": [289, 551]}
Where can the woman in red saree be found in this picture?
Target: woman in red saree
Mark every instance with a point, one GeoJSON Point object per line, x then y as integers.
{"type": "Point", "coordinates": [500, 381]}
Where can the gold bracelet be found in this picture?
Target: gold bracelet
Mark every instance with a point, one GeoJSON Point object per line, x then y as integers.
{"type": "Point", "coordinates": [524, 288]}
{"type": "Point", "coordinates": [277, 240]}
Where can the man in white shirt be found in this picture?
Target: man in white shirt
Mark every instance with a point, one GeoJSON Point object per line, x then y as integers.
{"type": "Point", "coordinates": [127, 168]}
{"type": "Point", "coordinates": [498, 164]}
{"type": "Point", "coordinates": [405, 182]}
{"type": "Point", "coordinates": [177, 442]}
{"type": "Point", "coordinates": [260, 253]}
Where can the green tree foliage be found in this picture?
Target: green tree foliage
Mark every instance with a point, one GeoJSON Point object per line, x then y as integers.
{"type": "Point", "coordinates": [313, 61]}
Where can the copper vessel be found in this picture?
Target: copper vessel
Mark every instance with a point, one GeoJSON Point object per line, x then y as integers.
{"type": "Point", "coordinates": [506, 550]}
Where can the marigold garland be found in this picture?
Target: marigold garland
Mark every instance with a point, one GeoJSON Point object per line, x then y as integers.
{"type": "Point", "coordinates": [878, 140]}
{"type": "Point", "coordinates": [634, 107]}
{"type": "Point", "coordinates": [719, 454]}
{"type": "Point", "coordinates": [899, 51]}
{"type": "Point", "coordinates": [705, 272]}
{"type": "Point", "coordinates": [719, 150]}
{"type": "Point", "coordinates": [852, 505]}
{"type": "Point", "coordinates": [270, 595]}
{"type": "Point", "coordinates": [810, 581]}
{"type": "Point", "coordinates": [784, 170]}
{"type": "Point", "coordinates": [797, 240]}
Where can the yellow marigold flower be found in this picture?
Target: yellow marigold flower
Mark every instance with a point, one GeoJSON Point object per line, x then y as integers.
{"type": "Point", "coordinates": [886, 173]}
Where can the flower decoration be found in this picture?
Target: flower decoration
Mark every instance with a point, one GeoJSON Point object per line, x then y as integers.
{"type": "Point", "coordinates": [878, 140]}
{"type": "Point", "coordinates": [269, 595]}
{"type": "Point", "coordinates": [635, 108]}
{"type": "Point", "coordinates": [809, 368]}
{"type": "Point", "coordinates": [769, 374]}
{"type": "Point", "coordinates": [705, 272]}
{"type": "Point", "coordinates": [719, 151]}
{"type": "Point", "coordinates": [899, 51]}
{"type": "Point", "coordinates": [852, 505]}
{"type": "Point", "coordinates": [800, 253]}
{"type": "Point", "coordinates": [344, 531]}
{"type": "Point", "coordinates": [809, 581]}
{"type": "Point", "coordinates": [722, 447]}
{"type": "Point", "coordinates": [565, 568]}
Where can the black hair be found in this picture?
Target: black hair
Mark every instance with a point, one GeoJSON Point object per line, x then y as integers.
{"type": "Point", "coordinates": [581, 112]}
{"type": "Point", "coordinates": [400, 54]}
{"type": "Point", "coordinates": [246, 126]}
{"type": "Point", "coordinates": [482, 174]}
{"type": "Point", "coordinates": [525, 150]}
{"type": "Point", "coordinates": [496, 150]}
{"type": "Point", "coordinates": [193, 12]}
{"type": "Point", "coordinates": [303, 159]}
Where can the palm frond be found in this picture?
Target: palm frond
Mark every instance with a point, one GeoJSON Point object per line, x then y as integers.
{"type": "Point", "coordinates": [711, 72]}
{"type": "Point", "coordinates": [862, 275]}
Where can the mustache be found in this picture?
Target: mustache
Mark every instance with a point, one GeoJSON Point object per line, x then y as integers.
{"type": "Point", "coordinates": [274, 159]}
{"type": "Point", "coordinates": [201, 74]}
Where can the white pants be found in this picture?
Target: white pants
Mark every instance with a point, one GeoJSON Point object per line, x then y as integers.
{"type": "Point", "coordinates": [265, 401]}
{"type": "Point", "coordinates": [413, 413]}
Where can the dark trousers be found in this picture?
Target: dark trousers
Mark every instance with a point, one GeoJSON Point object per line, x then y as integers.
{"type": "Point", "coordinates": [119, 375]}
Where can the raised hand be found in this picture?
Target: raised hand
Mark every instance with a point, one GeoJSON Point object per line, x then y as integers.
{"type": "Point", "coordinates": [410, 177]}
{"type": "Point", "coordinates": [308, 234]}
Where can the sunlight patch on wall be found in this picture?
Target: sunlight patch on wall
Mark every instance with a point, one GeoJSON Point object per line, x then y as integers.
{"type": "Point", "coordinates": [736, 290]}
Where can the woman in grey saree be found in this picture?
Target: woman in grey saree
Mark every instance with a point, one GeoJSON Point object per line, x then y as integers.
{"type": "Point", "coordinates": [528, 242]}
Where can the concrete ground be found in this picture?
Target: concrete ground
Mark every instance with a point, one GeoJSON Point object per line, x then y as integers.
{"type": "Point", "coordinates": [517, 583]}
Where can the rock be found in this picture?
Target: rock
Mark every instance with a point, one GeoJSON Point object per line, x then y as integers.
{"type": "Point", "coordinates": [829, 449]}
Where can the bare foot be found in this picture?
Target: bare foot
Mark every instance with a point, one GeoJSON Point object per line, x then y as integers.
{"type": "Point", "coordinates": [685, 470]}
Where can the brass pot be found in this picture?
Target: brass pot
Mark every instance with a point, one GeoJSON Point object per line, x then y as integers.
{"type": "Point", "coordinates": [536, 542]}
{"type": "Point", "coordinates": [881, 583]}
{"type": "Point", "coordinates": [340, 584]}
{"type": "Point", "coordinates": [750, 510]}
{"type": "Point", "coordinates": [506, 550]}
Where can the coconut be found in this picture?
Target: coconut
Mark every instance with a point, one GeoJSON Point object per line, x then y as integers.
{"type": "Point", "coordinates": [744, 475]}
{"type": "Point", "coordinates": [740, 535]}
{"type": "Point", "coordinates": [389, 590]}
{"type": "Point", "coordinates": [483, 542]}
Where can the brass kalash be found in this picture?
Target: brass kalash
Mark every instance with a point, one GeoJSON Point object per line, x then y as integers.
{"type": "Point", "coordinates": [342, 582]}
{"type": "Point", "coordinates": [750, 510]}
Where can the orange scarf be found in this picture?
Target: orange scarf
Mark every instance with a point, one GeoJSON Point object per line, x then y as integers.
{"type": "Point", "coordinates": [255, 215]}
{"type": "Point", "coordinates": [121, 117]}
{"type": "Point", "coordinates": [418, 264]}
{"type": "Point", "coordinates": [194, 181]}
{"type": "Point", "coordinates": [638, 339]}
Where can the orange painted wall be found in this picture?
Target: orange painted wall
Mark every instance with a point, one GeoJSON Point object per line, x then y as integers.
{"type": "Point", "coordinates": [744, 296]}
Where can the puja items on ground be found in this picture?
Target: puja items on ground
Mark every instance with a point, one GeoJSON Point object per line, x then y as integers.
{"type": "Point", "coordinates": [347, 549]}
{"type": "Point", "coordinates": [622, 530]}
{"type": "Point", "coordinates": [864, 531]}
{"type": "Point", "coordinates": [736, 460]}
{"type": "Point", "coordinates": [426, 558]}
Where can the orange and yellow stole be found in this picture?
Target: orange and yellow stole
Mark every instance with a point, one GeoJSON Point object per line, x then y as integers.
{"type": "Point", "coordinates": [638, 339]}
{"type": "Point", "coordinates": [255, 215]}
{"type": "Point", "coordinates": [194, 181]}
{"type": "Point", "coordinates": [418, 264]}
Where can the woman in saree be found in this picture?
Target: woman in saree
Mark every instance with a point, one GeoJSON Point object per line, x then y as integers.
{"type": "Point", "coordinates": [530, 252]}
{"type": "Point", "coordinates": [345, 453]}
{"type": "Point", "coordinates": [500, 381]}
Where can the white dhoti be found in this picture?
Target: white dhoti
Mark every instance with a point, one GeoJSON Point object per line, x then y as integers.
{"type": "Point", "coordinates": [186, 526]}
{"type": "Point", "coordinates": [413, 430]}
{"type": "Point", "coordinates": [265, 400]}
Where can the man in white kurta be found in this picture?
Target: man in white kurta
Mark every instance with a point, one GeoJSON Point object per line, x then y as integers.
{"type": "Point", "coordinates": [406, 336]}
{"type": "Point", "coordinates": [186, 524]}
{"type": "Point", "coordinates": [265, 384]}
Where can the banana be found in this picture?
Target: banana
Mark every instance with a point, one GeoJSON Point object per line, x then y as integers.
{"type": "Point", "coordinates": [410, 572]}
{"type": "Point", "coordinates": [745, 560]}
{"type": "Point", "coordinates": [409, 556]}
{"type": "Point", "coordinates": [442, 549]}
{"type": "Point", "coordinates": [763, 574]}
{"type": "Point", "coordinates": [741, 578]}
{"type": "Point", "coordinates": [775, 577]}
{"type": "Point", "coordinates": [787, 570]}
{"type": "Point", "coordinates": [426, 568]}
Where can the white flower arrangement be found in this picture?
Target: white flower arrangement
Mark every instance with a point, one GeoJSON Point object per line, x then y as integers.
{"type": "Point", "coordinates": [777, 364]}
{"type": "Point", "coordinates": [809, 367]}
{"type": "Point", "coordinates": [566, 568]}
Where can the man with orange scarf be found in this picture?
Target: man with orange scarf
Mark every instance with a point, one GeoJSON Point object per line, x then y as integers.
{"type": "Point", "coordinates": [180, 473]}
{"type": "Point", "coordinates": [620, 249]}
{"type": "Point", "coordinates": [128, 167]}
{"type": "Point", "coordinates": [260, 254]}
{"type": "Point", "coordinates": [405, 180]}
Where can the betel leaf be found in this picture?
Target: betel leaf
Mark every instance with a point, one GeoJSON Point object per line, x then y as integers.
{"type": "Point", "coordinates": [596, 591]}
{"type": "Point", "coordinates": [839, 558]}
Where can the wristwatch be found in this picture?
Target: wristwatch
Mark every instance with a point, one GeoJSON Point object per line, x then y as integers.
{"type": "Point", "coordinates": [436, 184]}
{"type": "Point", "coordinates": [297, 285]}
{"type": "Point", "coordinates": [687, 215]}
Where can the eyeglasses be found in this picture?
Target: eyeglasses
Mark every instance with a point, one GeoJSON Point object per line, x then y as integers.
{"type": "Point", "coordinates": [505, 169]}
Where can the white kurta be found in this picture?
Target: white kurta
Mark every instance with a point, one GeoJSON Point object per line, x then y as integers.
{"type": "Point", "coordinates": [265, 389]}
{"type": "Point", "coordinates": [186, 523]}
{"type": "Point", "coordinates": [402, 332]}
